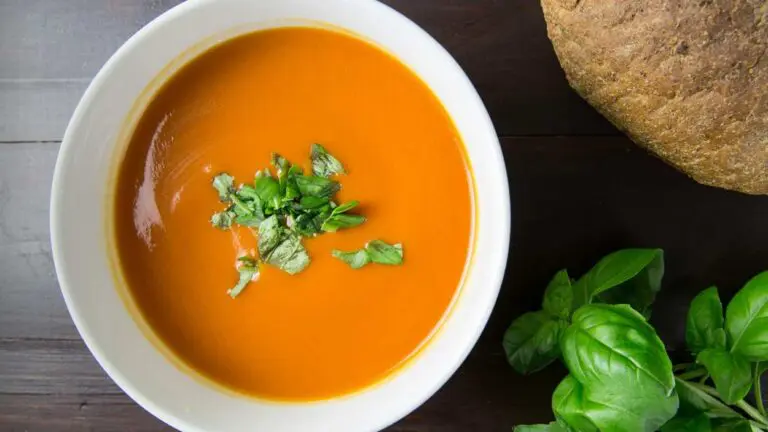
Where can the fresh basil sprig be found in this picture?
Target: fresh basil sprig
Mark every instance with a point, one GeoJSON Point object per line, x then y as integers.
{"type": "Point", "coordinates": [621, 378]}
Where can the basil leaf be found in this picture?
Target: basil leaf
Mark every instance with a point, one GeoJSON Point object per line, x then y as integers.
{"type": "Point", "coordinates": [693, 399]}
{"type": "Point", "coordinates": [248, 270]}
{"type": "Point", "coordinates": [571, 408]}
{"type": "Point", "coordinates": [248, 211]}
{"type": "Point", "coordinates": [334, 223]}
{"type": "Point", "coordinates": [347, 206]}
{"type": "Point", "coordinates": [268, 190]}
{"type": "Point", "coordinates": [746, 319]}
{"type": "Point", "coordinates": [250, 220]}
{"type": "Point", "coordinates": [224, 185]}
{"type": "Point", "coordinates": [628, 276]}
{"type": "Point", "coordinates": [289, 256]}
{"type": "Point", "coordinates": [375, 251]}
{"type": "Point", "coordinates": [316, 186]}
{"type": "Point", "coordinates": [621, 271]}
{"type": "Point", "coordinates": [252, 216]}
{"type": "Point", "coordinates": [622, 368]}
{"type": "Point", "coordinates": [239, 206]}
{"type": "Point", "coordinates": [280, 164]}
{"type": "Point", "coordinates": [269, 236]}
{"type": "Point", "coordinates": [730, 372]}
{"type": "Point", "coordinates": [683, 423]}
{"type": "Point", "coordinates": [222, 220]}
{"type": "Point", "coordinates": [286, 177]}
{"type": "Point", "coordinates": [552, 427]}
{"type": "Point", "coordinates": [531, 341]}
{"type": "Point", "coordinates": [558, 297]}
{"type": "Point", "coordinates": [383, 253]}
{"type": "Point", "coordinates": [704, 324]}
{"type": "Point", "coordinates": [323, 164]}
{"type": "Point", "coordinates": [619, 267]}
{"type": "Point", "coordinates": [581, 294]}
{"type": "Point", "coordinates": [618, 332]}
{"type": "Point", "coordinates": [338, 219]}
{"type": "Point", "coordinates": [310, 202]}
{"type": "Point", "coordinates": [248, 193]}
{"type": "Point", "coordinates": [355, 259]}
{"type": "Point", "coordinates": [291, 190]}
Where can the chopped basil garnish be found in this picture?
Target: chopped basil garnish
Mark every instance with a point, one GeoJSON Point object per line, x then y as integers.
{"type": "Point", "coordinates": [284, 208]}
{"type": "Point", "coordinates": [281, 165]}
{"type": "Point", "coordinates": [323, 164]}
{"type": "Point", "coordinates": [375, 251]}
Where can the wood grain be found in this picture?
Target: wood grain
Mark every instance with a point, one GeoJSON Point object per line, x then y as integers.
{"type": "Point", "coordinates": [50, 50]}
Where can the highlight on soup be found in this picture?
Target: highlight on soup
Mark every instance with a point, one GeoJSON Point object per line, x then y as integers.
{"type": "Point", "coordinates": [317, 181]}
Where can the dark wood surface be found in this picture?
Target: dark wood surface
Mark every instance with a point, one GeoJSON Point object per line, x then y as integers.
{"type": "Point", "coordinates": [579, 189]}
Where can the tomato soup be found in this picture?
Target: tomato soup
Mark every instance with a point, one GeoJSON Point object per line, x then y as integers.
{"type": "Point", "coordinates": [329, 330]}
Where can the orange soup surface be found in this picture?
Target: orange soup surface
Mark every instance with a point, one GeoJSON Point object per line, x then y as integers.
{"type": "Point", "coordinates": [329, 330]}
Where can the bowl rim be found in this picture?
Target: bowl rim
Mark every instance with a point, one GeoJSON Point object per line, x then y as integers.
{"type": "Point", "coordinates": [502, 231]}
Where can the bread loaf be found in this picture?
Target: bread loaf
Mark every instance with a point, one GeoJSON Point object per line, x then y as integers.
{"type": "Point", "coordinates": [688, 80]}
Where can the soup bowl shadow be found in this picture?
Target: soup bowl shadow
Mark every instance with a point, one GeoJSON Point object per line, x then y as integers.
{"type": "Point", "coordinates": [83, 193]}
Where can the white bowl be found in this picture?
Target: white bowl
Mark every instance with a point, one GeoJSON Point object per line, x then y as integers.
{"type": "Point", "coordinates": [82, 197]}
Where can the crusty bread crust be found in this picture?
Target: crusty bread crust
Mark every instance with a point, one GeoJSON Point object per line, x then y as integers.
{"type": "Point", "coordinates": [687, 79]}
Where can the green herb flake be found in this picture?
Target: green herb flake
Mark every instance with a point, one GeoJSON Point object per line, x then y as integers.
{"type": "Point", "coordinates": [288, 183]}
{"type": "Point", "coordinates": [269, 235]}
{"type": "Point", "coordinates": [316, 186]}
{"type": "Point", "coordinates": [222, 220]}
{"type": "Point", "coordinates": [309, 224]}
{"type": "Point", "coordinates": [249, 270]}
{"type": "Point", "coordinates": [224, 185]}
{"type": "Point", "coordinates": [347, 206]}
{"type": "Point", "coordinates": [289, 255]}
{"type": "Point", "coordinates": [268, 190]}
{"type": "Point", "coordinates": [355, 259]}
{"type": "Point", "coordinates": [334, 223]}
{"type": "Point", "coordinates": [375, 251]}
{"type": "Point", "coordinates": [248, 193]}
{"type": "Point", "coordinates": [323, 164]}
{"type": "Point", "coordinates": [383, 253]}
{"type": "Point", "coordinates": [312, 202]}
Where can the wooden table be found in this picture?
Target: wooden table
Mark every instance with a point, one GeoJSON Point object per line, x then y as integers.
{"type": "Point", "coordinates": [579, 189]}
